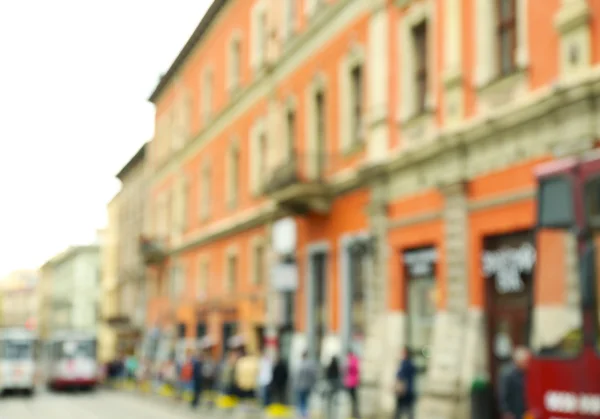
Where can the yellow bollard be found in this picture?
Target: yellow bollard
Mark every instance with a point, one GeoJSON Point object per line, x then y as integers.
{"type": "Point", "coordinates": [226, 402]}
{"type": "Point", "coordinates": [277, 410]}
{"type": "Point", "coordinates": [188, 396]}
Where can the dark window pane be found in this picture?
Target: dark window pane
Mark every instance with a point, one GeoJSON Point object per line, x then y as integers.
{"type": "Point", "coordinates": [555, 201]}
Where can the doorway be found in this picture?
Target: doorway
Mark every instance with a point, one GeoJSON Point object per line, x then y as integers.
{"type": "Point", "coordinates": [319, 301]}
{"type": "Point", "coordinates": [508, 263]}
{"type": "Point", "coordinates": [229, 330]}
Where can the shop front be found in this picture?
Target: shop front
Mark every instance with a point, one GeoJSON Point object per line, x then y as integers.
{"type": "Point", "coordinates": [507, 261]}
{"type": "Point", "coordinates": [420, 267]}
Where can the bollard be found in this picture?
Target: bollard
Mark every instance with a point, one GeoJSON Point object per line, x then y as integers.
{"type": "Point", "coordinates": [482, 399]}
{"type": "Point", "coordinates": [279, 411]}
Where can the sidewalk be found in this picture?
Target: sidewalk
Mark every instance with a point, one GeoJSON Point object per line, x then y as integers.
{"type": "Point", "coordinates": [211, 406]}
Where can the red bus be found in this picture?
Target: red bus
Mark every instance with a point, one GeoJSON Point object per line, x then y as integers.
{"type": "Point", "coordinates": [563, 380]}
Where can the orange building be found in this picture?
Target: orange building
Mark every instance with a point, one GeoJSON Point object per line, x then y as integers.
{"type": "Point", "coordinates": [400, 137]}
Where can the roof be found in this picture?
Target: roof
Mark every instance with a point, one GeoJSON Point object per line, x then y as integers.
{"type": "Point", "coordinates": [137, 158]}
{"type": "Point", "coordinates": [201, 29]}
{"type": "Point", "coordinates": [69, 252]}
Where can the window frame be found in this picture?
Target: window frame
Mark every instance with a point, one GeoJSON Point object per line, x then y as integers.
{"type": "Point", "coordinates": [233, 174]}
{"type": "Point", "coordinates": [506, 25]}
{"type": "Point", "coordinates": [320, 106]}
{"type": "Point", "coordinates": [357, 81]}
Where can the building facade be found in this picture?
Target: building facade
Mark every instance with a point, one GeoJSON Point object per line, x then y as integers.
{"type": "Point", "coordinates": [399, 138]}
{"type": "Point", "coordinates": [109, 296]}
{"type": "Point", "coordinates": [75, 284]}
{"type": "Point", "coordinates": [19, 299]}
{"type": "Point", "coordinates": [127, 297]}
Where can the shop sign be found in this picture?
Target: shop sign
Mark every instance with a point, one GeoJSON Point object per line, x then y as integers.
{"type": "Point", "coordinates": [563, 402]}
{"type": "Point", "coordinates": [507, 266]}
{"type": "Point", "coordinates": [420, 262]}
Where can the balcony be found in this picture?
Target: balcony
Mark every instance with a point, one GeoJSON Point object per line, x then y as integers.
{"type": "Point", "coordinates": [299, 184]}
{"type": "Point", "coordinates": [153, 251]}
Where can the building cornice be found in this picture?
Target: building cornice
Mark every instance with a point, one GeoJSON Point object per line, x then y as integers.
{"type": "Point", "coordinates": [200, 31]}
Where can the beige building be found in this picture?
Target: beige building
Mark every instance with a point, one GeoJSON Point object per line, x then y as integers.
{"type": "Point", "coordinates": [109, 305]}
{"type": "Point", "coordinates": [19, 299]}
{"type": "Point", "coordinates": [123, 282]}
{"type": "Point", "coordinates": [44, 300]}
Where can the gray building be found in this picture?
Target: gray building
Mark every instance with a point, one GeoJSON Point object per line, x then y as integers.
{"type": "Point", "coordinates": [73, 289]}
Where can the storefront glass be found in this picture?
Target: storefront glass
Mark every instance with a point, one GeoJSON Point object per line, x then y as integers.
{"type": "Point", "coordinates": [420, 269]}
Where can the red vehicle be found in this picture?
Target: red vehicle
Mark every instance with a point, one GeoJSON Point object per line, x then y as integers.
{"type": "Point", "coordinates": [563, 380]}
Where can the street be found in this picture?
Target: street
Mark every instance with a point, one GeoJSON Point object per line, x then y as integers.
{"type": "Point", "coordinates": [97, 405]}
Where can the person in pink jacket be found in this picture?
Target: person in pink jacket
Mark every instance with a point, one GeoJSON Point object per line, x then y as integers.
{"type": "Point", "coordinates": [352, 381]}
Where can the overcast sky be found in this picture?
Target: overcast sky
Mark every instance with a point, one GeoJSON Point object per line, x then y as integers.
{"type": "Point", "coordinates": [74, 79]}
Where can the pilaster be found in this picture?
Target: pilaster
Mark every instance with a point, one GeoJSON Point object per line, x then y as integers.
{"type": "Point", "coordinates": [378, 83]}
{"type": "Point", "coordinates": [443, 386]}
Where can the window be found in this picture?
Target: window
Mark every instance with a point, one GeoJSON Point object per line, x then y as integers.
{"type": "Point", "coordinates": [232, 267]}
{"type": "Point", "coordinates": [290, 18]}
{"type": "Point", "coordinates": [356, 76]}
{"type": "Point", "coordinates": [233, 176]}
{"type": "Point", "coordinates": [181, 328]}
{"type": "Point", "coordinates": [507, 35]}
{"type": "Point", "coordinates": [183, 205]}
{"type": "Point", "coordinates": [321, 132]}
{"type": "Point", "coordinates": [176, 282]}
{"type": "Point", "coordinates": [205, 191]}
{"type": "Point", "coordinates": [291, 131]}
{"type": "Point", "coordinates": [262, 159]}
{"type": "Point", "coordinates": [319, 284]}
{"type": "Point", "coordinates": [207, 95]}
{"type": "Point", "coordinates": [263, 37]}
{"type": "Point", "coordinates": [419, 264]}
{"type": "Point", "coordinates": [203, 276]}
{"type": "Point", "coordinates": [259, 264]}
{"type": "Point", "coordinates": [235, 53]}
{"type": "Point", "coordinates": [556, 316]}
{"type": "Point", "coordinates": [260, 34]}
{"type": "Point", "coordinates": [419, 34]}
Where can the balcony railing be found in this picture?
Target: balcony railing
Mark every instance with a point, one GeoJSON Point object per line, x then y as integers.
{"type": "Point", "coordinates": [300, 182]}
{"type": "Point", "coordinates": [153, 250]}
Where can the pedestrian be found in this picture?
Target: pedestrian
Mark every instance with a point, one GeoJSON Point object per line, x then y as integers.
{"type": "Point", "coordinates": [279, 382]}
{"type": "Point", "coordinates": [332, 377]}
{"type": "Point", "coordinates": [197, 379]}
{"type": "Point", "coordinates": [405, 385]}
{"type": "Point", "coordinates": [227, 373]}
{"type": "Point", "coordinates": [186, 374]}
{"type": "Point", "coordinates": [512, 386]}
{"type": "Point", "coordinates": [246, 375]}
{"type": "Point", "coordinates": [209, 373]}
{"type": "Point", "coordinates": [352, 381]}
{"type": "Point", "coordinates": [306, 378]}
{"type": "Point", "coordinates": [265, 377]}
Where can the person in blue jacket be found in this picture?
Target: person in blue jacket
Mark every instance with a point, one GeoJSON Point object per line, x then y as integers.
{"type": "Point", "coordinates": [405, 386]}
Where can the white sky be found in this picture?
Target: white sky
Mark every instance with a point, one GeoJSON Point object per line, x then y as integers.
{"type": "Point", "coordinates": [74, 79]}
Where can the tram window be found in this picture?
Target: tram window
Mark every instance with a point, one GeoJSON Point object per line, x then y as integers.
{"type": "Point", "coordinates": [592, 202]}
{"type": "Point", "coordinates": [555, 203]}
{"type": "Point", "coordinates": [556, 323]}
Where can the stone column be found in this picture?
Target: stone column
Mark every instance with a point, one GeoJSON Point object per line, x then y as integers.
{"type": "Point", "coordinates": [444, 393]}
